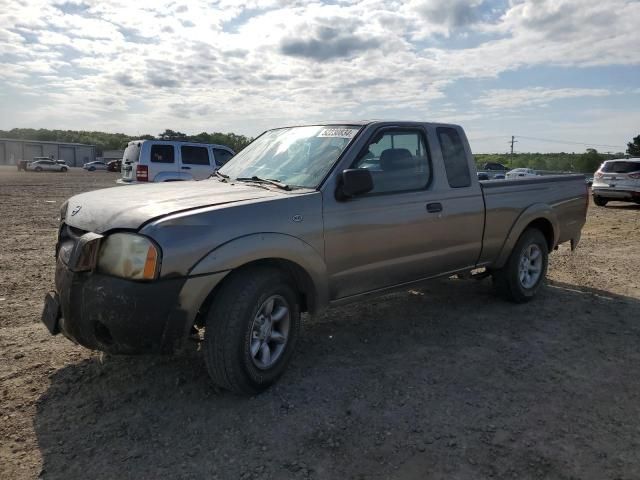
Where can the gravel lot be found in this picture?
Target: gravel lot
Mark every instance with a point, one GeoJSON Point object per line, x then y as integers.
{"type": "Point", "coordinates": [446, 381]}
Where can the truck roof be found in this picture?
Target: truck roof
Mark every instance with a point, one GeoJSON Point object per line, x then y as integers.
{"type": "Point", "coordinates": [365, 123]}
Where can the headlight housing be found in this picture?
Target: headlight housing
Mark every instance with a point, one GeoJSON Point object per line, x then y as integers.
{"type": "Point", "coordinates": [128, 255]}
{"type": "Point", "coordinates": [63, 211]}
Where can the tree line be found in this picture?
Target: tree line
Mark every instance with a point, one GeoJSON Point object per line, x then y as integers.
{"type": "Point", "coordinates": [118, 141]}
{"type": "Point", "coordinates": [587, 162]}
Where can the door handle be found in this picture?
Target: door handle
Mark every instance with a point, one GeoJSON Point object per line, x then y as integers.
{"type": "Point", "coordinates": [434, 207]}
{"type": "Point", "coordinates": [186, 168]}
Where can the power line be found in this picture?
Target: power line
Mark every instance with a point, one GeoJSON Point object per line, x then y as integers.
{"type": "Point", "coordinates": [568, 142]}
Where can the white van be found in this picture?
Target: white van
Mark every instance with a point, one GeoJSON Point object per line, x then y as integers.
{"type": "Point", "coordinates": [167, 161]}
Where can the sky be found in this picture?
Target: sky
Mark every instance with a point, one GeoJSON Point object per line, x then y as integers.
{"type": "Point", "coordinates": [560, 75]}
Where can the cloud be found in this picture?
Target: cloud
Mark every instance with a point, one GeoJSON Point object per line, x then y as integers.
{"type": "Point", "coordinates": [261, 63]}
{"type": "Point", "coordinates": [534, 97]}
{"type": "Point", "coordinates": [452, 13]}
{"type": "Point", "coordinates": [328, 42]}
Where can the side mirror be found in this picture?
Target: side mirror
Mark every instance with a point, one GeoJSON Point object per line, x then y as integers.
{"type": "Point", "coordinates": [355, 182]}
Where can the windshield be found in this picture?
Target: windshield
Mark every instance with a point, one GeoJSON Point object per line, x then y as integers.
{"type": "Point", "coordinates": [296, 156]}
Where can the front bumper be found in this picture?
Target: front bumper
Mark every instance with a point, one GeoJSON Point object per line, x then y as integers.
{"type": "Point", "coordinates": [115, 315]}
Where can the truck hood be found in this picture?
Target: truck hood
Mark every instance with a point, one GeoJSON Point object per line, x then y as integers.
{"type": "Point", "coordinates": [131, 206]}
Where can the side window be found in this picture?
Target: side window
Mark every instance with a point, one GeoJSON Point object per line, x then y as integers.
{"type": "Point", "coordinates": [455, 159]}
{"type": "Point", "coordinates": [222, 156]}
{"type": "Point", "coordinates": [194, 155]}
{"type": "Point", "coordinates": [398, 161]}
{"type": "Point", "coordinates": [162, 153]}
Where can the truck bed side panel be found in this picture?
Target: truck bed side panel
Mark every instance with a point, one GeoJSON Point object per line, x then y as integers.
{"type": "Point", "coordinates": [561, 199]}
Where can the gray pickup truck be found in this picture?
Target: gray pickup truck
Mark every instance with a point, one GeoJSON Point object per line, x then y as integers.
{"type": "Point", "coordinates": [303, 218]}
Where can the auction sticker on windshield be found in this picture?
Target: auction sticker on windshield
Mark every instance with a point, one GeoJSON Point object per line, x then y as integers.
{"type": "Point", "coordinates": [338, 132]}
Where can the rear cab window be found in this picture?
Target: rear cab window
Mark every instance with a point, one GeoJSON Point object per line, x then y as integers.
{"type": "Point", "coordinates": [162, 154]}
{"type": "Point", "coordinates": [454, 157]}
{"type": "Point", "coordinates": [194, 155]}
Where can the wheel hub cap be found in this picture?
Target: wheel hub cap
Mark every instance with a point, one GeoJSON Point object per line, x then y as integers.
{"type": "Point", "coordinates": [269, 332]}
{"type": "Point", "coordinates": [530, 267]}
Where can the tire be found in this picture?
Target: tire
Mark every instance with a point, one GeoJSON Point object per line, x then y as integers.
{"type": "Point", "coordinates": [599, 201]}
{"type": "Point", "coordinates": [63, 169]}
{"type": "Point", "coordinates": [38, 169]}
{"type": "Point", "coordinates": [232, 330]}
{"type": "Point", "coordinates": [509, 282]}
{"type": "Point", "coordinates": [92, 169]}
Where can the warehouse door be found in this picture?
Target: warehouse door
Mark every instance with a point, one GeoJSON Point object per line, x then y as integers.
{"type": "Point", "coordinates": [3, 156]}
{"type": "Point", "coordinates": [68, 154]}
{"type": "Point", "coordinates": [31, 151]}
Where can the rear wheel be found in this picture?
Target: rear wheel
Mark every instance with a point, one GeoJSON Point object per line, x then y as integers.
{"type": "Point", "coordinates": [523, 274]}
{"type": "Point", "coordinates": [63, 169]}
{"type": "Point", "coordinates": [251, 330]}
{"type": "Point", "coordinates": [38, 169]}
{"type": "Point", "coordinates": [599, 201]}
{"type": "Point", "coordinates": [92, 169]}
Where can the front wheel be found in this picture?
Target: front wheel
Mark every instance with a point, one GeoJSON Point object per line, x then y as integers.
{"type": "Point", "coordinates": [38, 169]}
{"type": "Point", "coordinates": [251, 330]}
{"type": "Point", "coordinates": [599, 201]}
{"type": "Point", "coordinates": [523, 274]}
{"type": "Point", "coordinates": [92, 169]}
{"type": "Point", "coordinates": [63, 169]}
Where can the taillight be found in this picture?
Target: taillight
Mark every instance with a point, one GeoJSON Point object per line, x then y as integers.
{"type": "Point", "coordinates": [142, 173]}
{"type": "Point", "coordinates": [599, 174]}
{"type": "Point", "coordinates": [635, 175]}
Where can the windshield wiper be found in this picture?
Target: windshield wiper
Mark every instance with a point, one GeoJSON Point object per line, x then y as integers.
{"type": "Point", "coordinates": [270, 181]}
{"type": "Point", "coordinates": [221, 175]}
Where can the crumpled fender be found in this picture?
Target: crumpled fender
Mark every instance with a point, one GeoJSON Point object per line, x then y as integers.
{"type": "Point", "coordinates": [528, 215]}
{"type": "Point", "coordinates": [260, 246]}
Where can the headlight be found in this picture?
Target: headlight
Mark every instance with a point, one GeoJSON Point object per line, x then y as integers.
{"type": "Point", "coordinates": [128, 255]}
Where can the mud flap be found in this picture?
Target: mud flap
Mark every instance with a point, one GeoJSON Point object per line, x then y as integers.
{"type": "Point", "coordinates": [51, 313]}
{"type": "Point", "coordinates": [574, 242]}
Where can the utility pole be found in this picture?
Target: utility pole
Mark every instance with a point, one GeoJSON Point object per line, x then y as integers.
{"type": "Point", "coordinates": [513, 140]}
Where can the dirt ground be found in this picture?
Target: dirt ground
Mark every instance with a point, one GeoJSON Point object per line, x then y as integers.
{"type": "Point", "coordinates": [445, 382]}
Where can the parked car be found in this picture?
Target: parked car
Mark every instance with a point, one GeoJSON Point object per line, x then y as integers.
{"type": "Point", "coordinates": [521, 172]}
{"type": "Point", "coordinates": [46, 165]}
{"type": "Point", "coordinates": [494, 167]}
{"type": "Point", "coordinates": [588, 179]}
{"type": "Point", "coordinates": [96, 165]}
{"type": "Point", "coordinates": [303, 218]}
{"type": "Point", "coordinates": [23, 164]}
{"type": "Point", "coordinates": [617, 180]}
{"type": "Point", "coordinates": [499, 176]}
{"type": "Point", "coordinates": [483, 176]}
{"type": "Point", "coordinates": [114, 165]}
{"type": "Point", "coordinates": [165, 161]}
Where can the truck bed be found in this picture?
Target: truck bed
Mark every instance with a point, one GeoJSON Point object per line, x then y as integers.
{"type": "Point", "coordinates": [507, 200]}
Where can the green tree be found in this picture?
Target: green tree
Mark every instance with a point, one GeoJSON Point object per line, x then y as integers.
{"type": "Point", "coordinates": [633, 147]}
{"type": "Point", "coordinates": [590, 161]}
